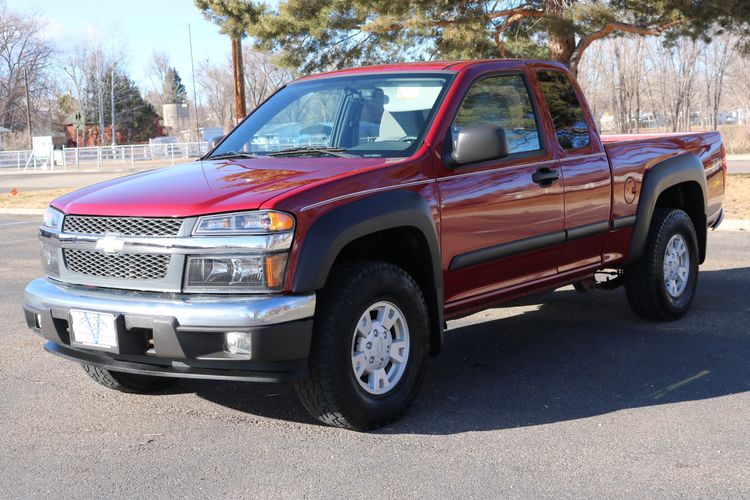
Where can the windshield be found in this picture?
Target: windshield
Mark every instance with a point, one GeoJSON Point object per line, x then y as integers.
{"type": "Point", "coordinates": [367, 115]}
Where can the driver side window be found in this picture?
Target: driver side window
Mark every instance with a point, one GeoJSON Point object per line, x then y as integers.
{"type": "Point", "coordinates": [501, 101]}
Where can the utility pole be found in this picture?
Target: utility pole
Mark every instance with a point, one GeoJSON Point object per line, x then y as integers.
{"type": "Point", "coordinates": [28, 106]}
{"type": "Point", "coordinates": [112, 103]}
{"type": "Point", "coordinates": [239, 79]}
{"type": "Point", "coordinates": [101, 107]}
{"type": "Point", "coordinates": [195, 92]}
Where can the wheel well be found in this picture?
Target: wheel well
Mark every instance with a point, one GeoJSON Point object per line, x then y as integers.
{"type": "Point", "coordinates": [688, 196]}
{"type": "Point", "coordinates": [407, 248]}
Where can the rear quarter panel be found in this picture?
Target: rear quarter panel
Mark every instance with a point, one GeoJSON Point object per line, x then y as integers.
{"type": "Point", "coordinates": [632, 156]}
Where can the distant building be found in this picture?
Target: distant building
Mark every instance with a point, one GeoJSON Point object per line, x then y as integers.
{"type": "Point", "coordinates": [175, 116]}
{"type": "Point", "coordinates": [210, 133]}
{"type": "Point", "coordinates": [92, 135]}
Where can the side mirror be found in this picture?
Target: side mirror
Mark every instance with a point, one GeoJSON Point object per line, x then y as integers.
{"type": "Point", "coordinates": [477, 143]}
{"type": "Point", "coordinates": [214, 142]}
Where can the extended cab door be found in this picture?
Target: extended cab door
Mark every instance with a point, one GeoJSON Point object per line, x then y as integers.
{"type": "Point", "coordinates": [587, 179]}
{"type": "Point", "coordinates": [501, 219]}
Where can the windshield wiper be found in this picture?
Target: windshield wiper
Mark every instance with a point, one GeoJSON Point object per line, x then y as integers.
{"type": "Point", "coordinates": [231, 154]}
{"type": "Point", "coordinates": [315, 150]}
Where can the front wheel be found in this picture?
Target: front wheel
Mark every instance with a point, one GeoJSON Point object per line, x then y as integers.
{"type": "Point", "coordinates": [661, 286]}
{"type": "Point", "coordinates": [369, 346]}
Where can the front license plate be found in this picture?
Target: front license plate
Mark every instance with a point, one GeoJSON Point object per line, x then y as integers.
{"type": "Point", "coordinates": [93, 329]}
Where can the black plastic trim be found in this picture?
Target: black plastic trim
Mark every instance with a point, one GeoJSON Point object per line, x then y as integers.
{"type": "Point", "coordinates": [623, 222]}
{"type": "Point", "coordinates": [587, 230]}
{"type": "Point", "coordinates": [271, 344]}
{"type": "Point", "coordinates": [715, 224]}
{"type": "Point", "coordinates": [676, 170]}
{"type": "Point", "coordinates": [287, 371]}
{"type": "Point", "coordinates": [483, 255]}
{"type": "Point", "coordinates": [379, 212]}
{"type": "Point", "coordinates": [488, 254]}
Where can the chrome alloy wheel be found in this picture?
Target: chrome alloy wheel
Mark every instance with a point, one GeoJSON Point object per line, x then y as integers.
{"type": "Point", "coordinates": [676, 266]}
{"type": "Point", "coordinates": [380, 348]}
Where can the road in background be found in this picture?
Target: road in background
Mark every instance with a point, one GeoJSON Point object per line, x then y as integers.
{"type": "Point", "coordinates": [738, 166]}
{"type": "Point", "coordinates": [41, 180]}
{"type": "Point", "coordinates": [556, 395]}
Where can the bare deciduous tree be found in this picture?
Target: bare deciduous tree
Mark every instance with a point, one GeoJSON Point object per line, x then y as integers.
{"type": "Point", "coordinates": [714, 65]}
{"type": "Point", "coordinates": [24, 53]}
{"type": "Point", "coordinates": [217, 87]}
{"type": "Point", "coordinates": [262, 77]}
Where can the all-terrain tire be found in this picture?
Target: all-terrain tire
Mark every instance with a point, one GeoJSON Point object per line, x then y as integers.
{"type": "Point", "coordinates": [127, 382]}
{"type": "Point", "coordinates": [646, 281]}
{"type": "Point", "coordinates": [333, 393]}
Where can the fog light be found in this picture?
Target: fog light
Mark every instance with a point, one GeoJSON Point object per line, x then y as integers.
{"type": "Point", "coordinates": [38, 321]}
{"type": "Point", "coordinates": [49, 260]}
{"type": "Point", "coordinates": [238, 343]}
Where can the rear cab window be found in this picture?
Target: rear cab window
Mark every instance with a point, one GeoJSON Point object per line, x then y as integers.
{"type": "Point", "coordinates": [567, 114]}
{"type": "Point", "coordinates": [502, 101]}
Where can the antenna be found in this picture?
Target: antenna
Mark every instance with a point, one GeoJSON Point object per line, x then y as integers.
{"type": "Point", "coordinates": [195, 92]}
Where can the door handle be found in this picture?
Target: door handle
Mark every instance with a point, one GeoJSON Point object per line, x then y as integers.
{"type": "Point", "coordinates": [544, 176]}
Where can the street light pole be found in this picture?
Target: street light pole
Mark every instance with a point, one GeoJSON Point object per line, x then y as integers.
{"type": "Point", "coordinates": [28, 106]}
{"type": "Point", "coordinates": [195, 92]}
{"type": "Point", "coordinates": [112, 103]}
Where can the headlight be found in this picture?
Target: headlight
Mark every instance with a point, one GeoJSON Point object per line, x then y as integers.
{"type": "Point", "coordinates": [53, 218]}
{"type": "Point", "coordinates": [248, 273]}
{"type": "Point", "coordinates": [256, 222]}
{"type": "Point", "coordinates": [50, 262]}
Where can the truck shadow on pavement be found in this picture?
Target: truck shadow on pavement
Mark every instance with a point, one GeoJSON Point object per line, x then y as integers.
{"type": "Point", "coordinates": [556, 357]}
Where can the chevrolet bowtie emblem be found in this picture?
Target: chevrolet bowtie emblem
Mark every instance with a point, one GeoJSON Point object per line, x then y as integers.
{"type": "Point", "coordinates": [110, 244]}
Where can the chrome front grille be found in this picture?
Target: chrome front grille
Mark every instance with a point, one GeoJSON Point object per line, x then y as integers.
{"type": "Point", "coordinates": [126, 226]}
{"type": "Point", "coordinates": [117, 266]}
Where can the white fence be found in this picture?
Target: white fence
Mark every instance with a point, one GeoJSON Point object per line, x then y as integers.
{"type": "Point", "coordinates": [103, 156]}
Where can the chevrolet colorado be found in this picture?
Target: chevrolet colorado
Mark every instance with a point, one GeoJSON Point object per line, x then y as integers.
{"type": "Point", "coordinates": [331, 234]}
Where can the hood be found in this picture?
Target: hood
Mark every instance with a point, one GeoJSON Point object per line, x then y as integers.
{"type": "Point", "coordinates": [205, 187]}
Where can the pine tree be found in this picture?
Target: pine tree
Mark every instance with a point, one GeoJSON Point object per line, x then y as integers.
{"type": "Point", "coordinates": [314, 35]}
{"type": "Point", "coordinates": [135, 119]}
{"type": "Point", "coordinates": [174, 91]}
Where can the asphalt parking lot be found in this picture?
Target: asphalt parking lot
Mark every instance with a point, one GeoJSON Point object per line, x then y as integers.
{"type": "Point", "coordinates": [558, 395]}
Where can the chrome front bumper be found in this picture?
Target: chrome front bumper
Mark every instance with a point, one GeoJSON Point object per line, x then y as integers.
{"type": "Point", "coordinates": [180, 335]}
{"type": "Point", "coordinates": [189, 310]}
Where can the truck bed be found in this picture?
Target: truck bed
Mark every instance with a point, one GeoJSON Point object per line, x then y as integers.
{"type": "Point", "coordinates": [632, 156]}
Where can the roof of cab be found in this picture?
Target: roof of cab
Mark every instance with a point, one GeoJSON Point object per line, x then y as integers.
{"type": "Point", "coordinates": [453, 66]}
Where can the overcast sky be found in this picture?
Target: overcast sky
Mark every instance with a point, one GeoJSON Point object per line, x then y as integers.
{"type": "Point", "coordinates": [138, 26]}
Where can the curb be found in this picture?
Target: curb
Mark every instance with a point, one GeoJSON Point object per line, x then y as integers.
{"type": "Point", "coordinates": [21, 211]}
{"type": "Point", "coordinates": [734, 225]}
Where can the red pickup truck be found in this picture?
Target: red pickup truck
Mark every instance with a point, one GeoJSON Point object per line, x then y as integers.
{"type": "Point", "coordinates": [331, 234]}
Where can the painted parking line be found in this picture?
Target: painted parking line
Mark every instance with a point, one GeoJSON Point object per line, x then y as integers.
{"type": "Point", "coordinates": [13, 242]}
{"type": "Point", "coordinates": [6, 224]}
{"type": "Point", "coordinates": [663, 392]}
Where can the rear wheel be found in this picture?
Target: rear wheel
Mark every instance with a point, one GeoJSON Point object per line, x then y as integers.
{"type": "Point", "coordinates": [127, 382]}
{"type": "Point", "coordinates": [369, 346]}
{"type": "Point", "coordinates": [661, 286]}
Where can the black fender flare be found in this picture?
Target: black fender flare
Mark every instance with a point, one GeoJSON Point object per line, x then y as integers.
{"type": "Point", "coordinates": [671, 172]}
{"type": "Point", "coordinates": [382, 211]}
